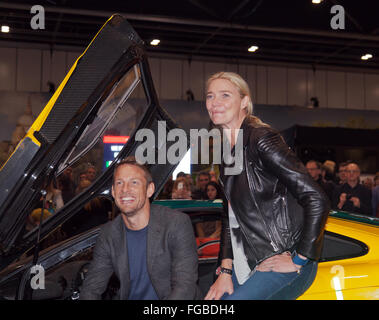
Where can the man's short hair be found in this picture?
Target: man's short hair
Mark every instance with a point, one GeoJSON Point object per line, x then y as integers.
{"type": "Point", "coordinates": [318, 164]}
{"type": "Point", "coordinates": [344, 164]}
{"type": "Point", "coordinates": [133, 162]}
{"type": "Point", "coordinates": [205, 173]}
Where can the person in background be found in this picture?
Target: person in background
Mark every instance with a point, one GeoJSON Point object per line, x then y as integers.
{"type": "Point", "coordinates": [257, 260]}
{"type": "Point", "coordinates": [54, 201]}
{"type": "Point", "coordinates": [214, 191]}
{"type": "Point", "coordinates": [211, 229]}
{"type": "Point", "coordinates": [314, 170]}
{"type": "Point", "coordinates": [83, 185]}
{"type": "Point", "coordinates": [342, 172]}
{"type": "Point", "coordinates": [181, 189]}
{"type": "Point", "coordinates": [67, 185]}
{"type": "Point", "coordinates": [330, 171]}
{"type": "Point", "coordinates": [91, 173]}
{"type": "Point", "coordinates": [352, 196]}
{"type": "Point", "coordinates": [167, 190]}
{"type": "Point", "coordinates": [368, 183]}
{"type": "Point", "coordinates": [202, 180]}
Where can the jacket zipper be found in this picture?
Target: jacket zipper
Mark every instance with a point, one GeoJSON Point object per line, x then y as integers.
{"type": "Point", "coordinates": [243, 231]}
{"type": "Point", "coordinates": [272, 242]}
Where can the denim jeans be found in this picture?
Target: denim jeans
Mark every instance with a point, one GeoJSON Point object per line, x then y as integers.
{"type": "Point", "coordinates": [274, 285]}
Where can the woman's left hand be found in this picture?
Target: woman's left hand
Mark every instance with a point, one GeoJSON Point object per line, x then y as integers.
{"type": "Point", "coordinates": [279, 263]}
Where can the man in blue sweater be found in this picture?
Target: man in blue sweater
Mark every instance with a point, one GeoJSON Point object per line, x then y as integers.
{"type": "Point", "coordinates": [151, 249]}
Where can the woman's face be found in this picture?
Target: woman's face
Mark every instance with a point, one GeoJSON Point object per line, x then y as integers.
{"type": "Point", "coordinates": [224, 104]}
{"type": "Point", "coordinates": [211, 192]}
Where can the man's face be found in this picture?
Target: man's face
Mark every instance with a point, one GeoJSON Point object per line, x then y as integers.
{"type": "Point", "coordinates": [342, 173]}
{"type": "Point", "coordinates": [130, 190]}
{"type": "Point", "coordinates": [352, 173]}
{"type": "Point", "coordinates": [313, 170]}
{"type": "Point", "coordinates": [203, 181]}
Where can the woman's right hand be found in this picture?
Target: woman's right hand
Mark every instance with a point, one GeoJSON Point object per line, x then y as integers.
{"type": "Point", "coordinates": [223, 284]}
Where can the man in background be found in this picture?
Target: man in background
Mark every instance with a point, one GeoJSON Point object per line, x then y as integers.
{"type": "Point", "coordinates": [314, 170]}
{"type": "Point", "coordinates": [352, 196]}
{"type": "Point", "coordinates": [202, 180]}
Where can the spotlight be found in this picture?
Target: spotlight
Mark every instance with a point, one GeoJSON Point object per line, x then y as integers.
{"type": "Point", "coordinates": [253, 49]}
{"type": "Point", "coordinates": [155, 42]}
{"type": "Point", "coordinates": [4, 28]}
{"type": "Point", "coordinates": [366, 56]}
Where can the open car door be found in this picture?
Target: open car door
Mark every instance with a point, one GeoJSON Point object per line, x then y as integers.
{"type": "Point", "coordinates": [108, 92]}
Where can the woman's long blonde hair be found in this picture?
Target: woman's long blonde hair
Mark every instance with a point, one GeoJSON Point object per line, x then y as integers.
{"type": "Point", "coordinates": [244, 91]}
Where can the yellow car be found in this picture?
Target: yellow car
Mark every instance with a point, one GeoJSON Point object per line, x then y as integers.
{"type": "Point", "coordinates": [350, 260]}
{"type": "Point", "coordinates": [349, 263]}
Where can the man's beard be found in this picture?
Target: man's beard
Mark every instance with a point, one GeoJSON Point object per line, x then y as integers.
{"type": "Point", "coordinates": [132, 212]}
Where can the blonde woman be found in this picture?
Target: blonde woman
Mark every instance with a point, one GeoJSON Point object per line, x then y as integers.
{"type": "Point", "coordinates": [269, 243]}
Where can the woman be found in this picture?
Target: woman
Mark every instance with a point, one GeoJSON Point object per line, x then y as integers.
{"type": "Point", "coordinates": [181, 189]}
{"type": "Point", "coordinates": [269, 244]}
{"type": "Point", "coordinates": [210, 229]}
{"type": "Point", "coordinates": [213, 191]}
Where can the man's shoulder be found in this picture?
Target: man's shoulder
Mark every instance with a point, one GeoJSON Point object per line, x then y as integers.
{"type": "Point", "coordinates": [110, 228]}
{"type": "Point", "coordinates": [167, 213]}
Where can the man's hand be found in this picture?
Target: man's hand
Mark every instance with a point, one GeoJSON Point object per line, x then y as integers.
{"type": "Point", "coordinates": [223, 284]}
{"type": "Point", "coordinates": [356, 202]}
{"type": "Point", "coordinates": [342, 200]}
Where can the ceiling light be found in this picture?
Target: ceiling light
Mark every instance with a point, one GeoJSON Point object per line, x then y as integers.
{"type": "Point", "coordinates": [253, 49]}
{"type": "Point", "coordinates": [5, 29]}
{"type": "Point", "coordinates": [366, 56]}
{"type": "Point", "coordinates": [316, 1]}
{"type": "Point", "coordinates": [155, 42]}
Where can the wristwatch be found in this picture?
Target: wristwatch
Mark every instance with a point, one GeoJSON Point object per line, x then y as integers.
{"type": "Point", "coordinates": [220, 270]}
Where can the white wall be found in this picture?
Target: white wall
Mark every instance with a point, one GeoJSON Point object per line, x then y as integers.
{"type": "Point", "coordinates": [29, 70]}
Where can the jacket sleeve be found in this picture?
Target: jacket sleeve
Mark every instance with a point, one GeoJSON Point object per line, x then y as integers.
{"type": "Point", "coordinates": [184, 261]}
{"type": "Point", "coordinates": [279, 159]}
{"type": "Point", "coordinates": [99, 272]}
{"type": "Point", "coordinates": [226, 251]}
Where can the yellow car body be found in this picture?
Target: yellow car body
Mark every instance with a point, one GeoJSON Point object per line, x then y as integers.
{"type": "Point", "coordinates": [354, 278]}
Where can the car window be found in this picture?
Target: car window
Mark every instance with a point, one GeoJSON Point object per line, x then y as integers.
{"type": "Point", "coordinates": [337, 247]}
{"type": "Point", "coordinates": [99, 145]}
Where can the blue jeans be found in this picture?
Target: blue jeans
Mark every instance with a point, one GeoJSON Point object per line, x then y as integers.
{"type": "Point", "coordinates": [274, 285]}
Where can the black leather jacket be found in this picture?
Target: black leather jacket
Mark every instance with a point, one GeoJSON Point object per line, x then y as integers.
{"type": "Point", "coordinates": [278, 206]}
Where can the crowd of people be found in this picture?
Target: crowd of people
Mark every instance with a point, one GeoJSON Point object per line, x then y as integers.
{"type": "Point", "coordinates": [59, 192]}
{"type": "Point", "coordinates": [341, 183]}
{"type": "Point", "coordinates": [204, 187]}
{"type": "Point", "coordinates": [345, 188]}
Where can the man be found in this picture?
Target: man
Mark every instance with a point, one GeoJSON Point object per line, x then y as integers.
{"type": "Point", "coordinates": [202, 180]}
{"type": "Point", "coordinates": [151, 249]}
{"type": "Point", "coordinates": [342, 172]}
{"type": "Point", "coordinates": [352, 196]}
{"type": "Point", "coordinates": [314, 170]}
